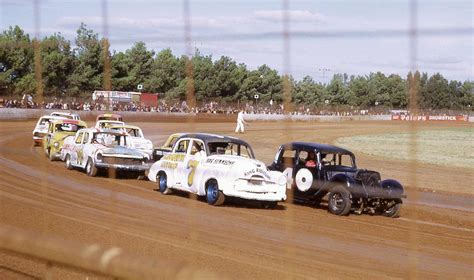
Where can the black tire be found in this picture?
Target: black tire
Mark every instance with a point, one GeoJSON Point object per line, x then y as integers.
{"type": "Point", "coordinates": [68, 162]}
{"type": "Point", "coordinates": [269, 204]}
{"type": "Point", "coordinates": [46, 153]}
{"type": "Point", "coordinates": [392, 211]}
{"type": "Point", "coordinates": [339, 201]}
{"type": "Point", "coordinates": [162, 181]}
{"type": "Point", "coordinates": [91, 169]}
{"type": "Point", "coordinates": [214, 196]}
{"type": "Point", "coordinates": [50, 155]}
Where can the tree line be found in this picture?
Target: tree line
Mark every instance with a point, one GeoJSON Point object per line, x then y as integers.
{"type": "Point", "coordinates": [76, 71]}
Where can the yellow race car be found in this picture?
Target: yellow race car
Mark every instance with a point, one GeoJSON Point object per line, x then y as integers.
{"type": "Point", "coordinates": [59, 130]}
{"type": "Point", "coordinates": [167, 147]}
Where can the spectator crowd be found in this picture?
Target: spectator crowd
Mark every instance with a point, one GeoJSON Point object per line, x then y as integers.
{"type": "Point", "coordinates": [207, 107]}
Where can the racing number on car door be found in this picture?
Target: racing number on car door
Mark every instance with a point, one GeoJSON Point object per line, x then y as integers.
{"type": "Point", "coordinates": [77, 149]}
{"type": "Point", "coordinates": [192, 164]}
{"type": "Point", "coordinates": [196, 153]}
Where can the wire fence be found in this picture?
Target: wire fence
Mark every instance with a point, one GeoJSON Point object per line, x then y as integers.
{"type": "Point", "coordinates": [14, 240]}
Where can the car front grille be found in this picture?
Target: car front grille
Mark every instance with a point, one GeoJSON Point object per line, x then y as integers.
{"type": "Point", "coordinates": [126, 161]}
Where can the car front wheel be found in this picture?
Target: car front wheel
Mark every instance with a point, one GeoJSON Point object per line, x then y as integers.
{"type": "Point", "coordinates": [163, 183]}
{"type": "Point", "coordinates": [91, 169]}
{"type": "Point", "coordinates": [339, 201]}
{"type": "Point", "coordinates": [392, 211]}
{"type": "Point", "coordinates": [68, 162]}
{"type": "Point", "coordinates": [213, 195]}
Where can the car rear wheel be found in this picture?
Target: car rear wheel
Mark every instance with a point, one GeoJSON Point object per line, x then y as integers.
{"type": "Point", "coordinates": [50, 155]}
{"type": "Point", "coordinates": [213, 195]}
{"type": "Point", "coordinates": [68, 162]}
{"type": "Point", "coordinates": [163, 183]}
{"type": "Point", "coordinates": [392, 211]}
{"type": "Point", "coordinates": [91, 169]}
{"type": "Point", "coordinates": [339, 201]}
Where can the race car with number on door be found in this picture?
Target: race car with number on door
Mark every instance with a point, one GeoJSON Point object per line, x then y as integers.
{"type": "Point", "coordinates": [315, 171]}
{"type": "Point", "coordinates": [58, 131]}
{"type": "Point", "coordinates": [217, 167]}
{"type": "Point", "coordinates": [92, 150]}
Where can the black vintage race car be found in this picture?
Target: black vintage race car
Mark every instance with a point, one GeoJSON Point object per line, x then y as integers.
{"type": "Point", "coordinates": [315, 171]}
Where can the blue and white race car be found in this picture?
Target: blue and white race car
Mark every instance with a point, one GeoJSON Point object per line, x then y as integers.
{"type": "Point", "coordinates": [217, 166]}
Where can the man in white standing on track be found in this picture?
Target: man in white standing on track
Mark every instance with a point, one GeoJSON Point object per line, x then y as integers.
{"type": "Point", "coordinates": [240, 123]}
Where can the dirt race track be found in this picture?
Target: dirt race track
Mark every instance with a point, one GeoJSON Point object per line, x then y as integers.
{"type": "Point", "coordinates": [433, 238]}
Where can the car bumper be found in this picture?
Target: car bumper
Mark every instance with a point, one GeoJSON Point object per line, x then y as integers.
{"type": "Point", "coordinates": [56, 155]}
{"type": "Point", "coordinates": [143, 167]}
{"type": "Point", "coordinates": [269, 196]}
{"type": "Point", "coordinates": [258, 192]}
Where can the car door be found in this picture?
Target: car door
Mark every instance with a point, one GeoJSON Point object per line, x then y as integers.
{"type": "Point", "coordinates": [195, 154]}
{"type": "Point", "coordinates": [74, 150]}
{"type": "Point", "coordinates": [303, 172]}
{"type": "Point", "coordinates": [181, 152]}
{"type": "Point", "coordinates": [82, 151]}
{"type": "Point", "coordinates": [285, 164]}
{"type": "Point", "coordinates": [48, 136]}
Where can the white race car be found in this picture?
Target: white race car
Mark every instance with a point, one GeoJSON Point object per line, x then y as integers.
{"type": "Point", "coordinates": [92, 149]}
{"type": "Point", "coordinates": [217, 166]}
{"type": "Point", "coordinates": [138, 139]}
{"type": "Point", "coordinates": [41, 128]}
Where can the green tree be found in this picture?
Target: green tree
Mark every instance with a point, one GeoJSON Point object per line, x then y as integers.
{"type": "Point", "coordinates": [166, 73]}
{"type": "Point", "coordinates": [16, 62]}
{"type": "Point", "coordinates": [228, 78]}
{"type": "Point", "coordinates": [88, 63]}
{"type": "Point", "coordinates": [337, 91]}
{"type": "Point", "coordinates": [57, 64]}
{"type": "Point", "coordinates": [308, 92]}
{"type": "Point", "coordinates": [435, 93]}
{"type": "Point", "coordinates": [141, 65]}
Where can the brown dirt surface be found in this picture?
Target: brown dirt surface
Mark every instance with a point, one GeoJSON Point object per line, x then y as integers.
{"type": "Point", "coordinates": [433, 238]}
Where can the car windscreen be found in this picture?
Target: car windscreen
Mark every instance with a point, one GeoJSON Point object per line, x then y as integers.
{"type": "Point", "coordinates": [230, 148]}
{"type": "Point", "coordinates": [67, 127]}
{"type": "Point", "coordinates": [44, 121]}
{"type": "Point", "coordinates": [109, 119]}
{"type": "Point", "coordinates": [68, 116]}
{"type": "Point", "coordinates": [110, 139]}
{"type": "Point", "coordinates": [134, 132]}
{"type": "Point", "coordinates": [108, 124]}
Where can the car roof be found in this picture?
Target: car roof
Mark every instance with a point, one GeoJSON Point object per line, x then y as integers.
{"type": "Point", "coordinates": [69, 121]}
{"type": "Point", "coordinates": [110, 115]}
{"type": "Point", "coordinates": [210, 138]}
{"type": "Point", "coordinates": [64, 114]}
{"type": "Point", "coordinates": [115, 121]}
{"type": "Point", "coordinates": [124, 126]}
{"type": "Point", "coordinates": [53, 117]}
{"type": "Point", "coordinates": [93, 129]}
{"type": "Point", "coordinates": [317, 146]}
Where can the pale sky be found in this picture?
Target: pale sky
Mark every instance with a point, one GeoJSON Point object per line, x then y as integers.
{"type": "Point", "coordinates": [352, 36]}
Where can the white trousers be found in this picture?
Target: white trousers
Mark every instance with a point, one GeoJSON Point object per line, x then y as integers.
{"type": "Point", "coordinates": [239, 127]}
